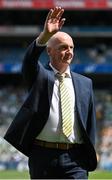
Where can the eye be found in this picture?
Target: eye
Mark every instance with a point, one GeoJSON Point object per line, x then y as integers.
{"type": "Point", "coordinates": [64, 47]}
{"type": "Point", "coordinates": [71, 47]}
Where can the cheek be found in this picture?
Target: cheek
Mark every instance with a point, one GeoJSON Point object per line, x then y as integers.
{"type": "Point", "coordinates": [59, 55]}
{"type": "Point", "coordinates": [62, 54]}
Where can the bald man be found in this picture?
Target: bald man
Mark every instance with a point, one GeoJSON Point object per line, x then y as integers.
{"type": "Point", "coordinates": [37, 130]}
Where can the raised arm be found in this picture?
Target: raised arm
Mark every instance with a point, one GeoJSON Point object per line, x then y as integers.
{"type": "Point", "coordinates": [53, 24]}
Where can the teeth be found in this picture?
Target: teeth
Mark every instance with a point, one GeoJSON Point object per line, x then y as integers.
{"type": "Point", "coordinates": [69, 56]}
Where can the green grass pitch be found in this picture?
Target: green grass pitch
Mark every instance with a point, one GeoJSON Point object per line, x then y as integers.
{"type": "Point", "coordinates": [24, 175]}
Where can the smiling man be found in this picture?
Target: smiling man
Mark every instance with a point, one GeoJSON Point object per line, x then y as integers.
{"type": "Point", "coordinates": [60, 50]}
{"type": "Point", "coordinates": [55, 126]}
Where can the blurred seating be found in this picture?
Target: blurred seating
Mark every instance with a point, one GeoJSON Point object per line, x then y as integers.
{"type": "Point", "coordinates": [98, 54]}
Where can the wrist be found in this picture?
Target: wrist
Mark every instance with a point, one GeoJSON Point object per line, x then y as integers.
{"type": "Point", "coordinates": [44, 37]}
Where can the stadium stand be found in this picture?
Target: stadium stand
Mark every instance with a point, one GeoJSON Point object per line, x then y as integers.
{"type": "Point", "coordinates": [91, 28]}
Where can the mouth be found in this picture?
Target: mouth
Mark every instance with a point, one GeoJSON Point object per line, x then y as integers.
{"type": "Point", "coordinates": [67, 57]}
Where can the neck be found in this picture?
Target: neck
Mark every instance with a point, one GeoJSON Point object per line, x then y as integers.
{"type": "Point", "coordinates": [60, 68]}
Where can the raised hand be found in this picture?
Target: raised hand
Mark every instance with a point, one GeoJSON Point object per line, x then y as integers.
{"type": "Point", "coordinates": [53, 24]}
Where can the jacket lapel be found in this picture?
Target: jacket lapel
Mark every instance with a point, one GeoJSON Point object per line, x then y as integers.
{"type": "Point", "coordinates": [77, 97]}
{"type": "Point", "coordinates": [51, 79]}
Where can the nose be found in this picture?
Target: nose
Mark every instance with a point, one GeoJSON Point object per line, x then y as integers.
{"type": "Point", "coordinates": [69, 50]}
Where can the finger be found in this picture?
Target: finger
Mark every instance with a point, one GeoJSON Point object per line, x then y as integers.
{"type": "Point", "coordinates": [49, 14]}
{"type": "Point", "coordinates": [61, 23]}
{"type": "Point", "coordinates": [57, 12]}
{"type": "Point", "coordinates": [60, 13]}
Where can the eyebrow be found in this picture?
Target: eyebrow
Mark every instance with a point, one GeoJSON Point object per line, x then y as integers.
{"type": "Point", "coordinates": [64, 44]}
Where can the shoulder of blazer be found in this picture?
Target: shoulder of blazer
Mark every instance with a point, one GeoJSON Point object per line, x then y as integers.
{"type": "Point", "coordinates": [81, 77]}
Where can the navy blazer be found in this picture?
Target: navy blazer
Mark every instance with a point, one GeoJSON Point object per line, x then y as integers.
{"type": "Point", "coordinates": [34, 113]}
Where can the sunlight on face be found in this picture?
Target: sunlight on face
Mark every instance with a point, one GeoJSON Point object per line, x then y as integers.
{"type": "Point", "coordinates": [60, 50]}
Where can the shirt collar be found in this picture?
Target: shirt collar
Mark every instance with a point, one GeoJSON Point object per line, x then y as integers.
{"type": "Point", "coordinates": [56, 71]}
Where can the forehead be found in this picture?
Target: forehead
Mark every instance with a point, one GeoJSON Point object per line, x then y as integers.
{"type": "Point", "coordinates": [59, 39]}
{"type": "Point", "coordinates": [64, 40]}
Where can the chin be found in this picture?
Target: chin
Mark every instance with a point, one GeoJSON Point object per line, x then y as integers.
{"type": "Point", "coordinates": [67, 62]}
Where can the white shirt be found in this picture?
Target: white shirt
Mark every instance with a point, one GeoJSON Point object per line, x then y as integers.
{"type": "Point", "coordinates": [52, 131]}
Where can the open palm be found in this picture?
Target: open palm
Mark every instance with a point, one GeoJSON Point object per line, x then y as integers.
{"type": "Point", "coordinates": [53, 21]}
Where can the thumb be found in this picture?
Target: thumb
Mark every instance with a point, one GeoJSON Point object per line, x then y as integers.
{"type": "Point", "coordinates": [61, 23]}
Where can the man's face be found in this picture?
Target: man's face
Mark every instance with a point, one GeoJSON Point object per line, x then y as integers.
{"type": "Point", "coordinates": [61, 53]}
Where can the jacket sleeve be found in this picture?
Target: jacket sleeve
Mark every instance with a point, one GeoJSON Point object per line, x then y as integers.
{"type": "Point", "coordinates": [30, 64]}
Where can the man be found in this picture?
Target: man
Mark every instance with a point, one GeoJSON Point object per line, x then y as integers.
{"type": "Point", "coordinates": [55, 132]}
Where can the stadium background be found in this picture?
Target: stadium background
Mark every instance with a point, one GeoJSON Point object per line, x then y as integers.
{"type": "Point", "coordinates": [89, 22]}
